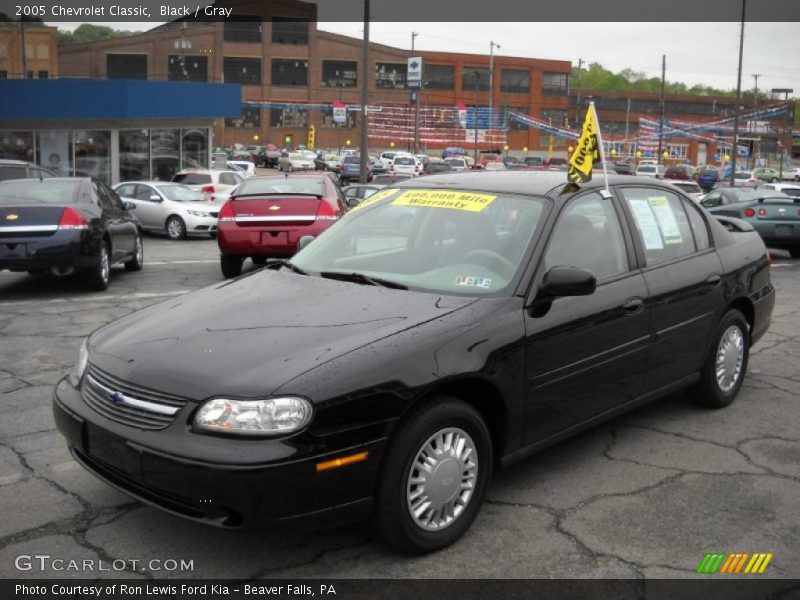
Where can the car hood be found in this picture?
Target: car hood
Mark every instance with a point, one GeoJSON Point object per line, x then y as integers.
{"type": "Point", "coordinates": [247, 337]}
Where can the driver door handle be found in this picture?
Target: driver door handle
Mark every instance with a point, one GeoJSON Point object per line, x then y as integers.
{"type": "Point", "coordinates": [714, 279]}
{"type": "Point", "coordinates": [633, 306]}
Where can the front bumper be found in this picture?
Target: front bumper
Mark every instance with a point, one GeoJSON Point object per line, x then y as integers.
{"type": "Point", "coordinates": [200, 224]}
{"type": "Point", "coordinates": [227, 482]}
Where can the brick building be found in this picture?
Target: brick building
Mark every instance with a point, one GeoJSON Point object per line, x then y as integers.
{"type": "Point", "coordinates": [41, 54]}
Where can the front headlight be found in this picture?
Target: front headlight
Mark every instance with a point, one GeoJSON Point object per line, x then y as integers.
{"type": "Point", "coordinates": [83, 360]}
{"type": "Point", "coordinates": [254, 417]}
{"type": "Point", "coordinates": [197, 213]}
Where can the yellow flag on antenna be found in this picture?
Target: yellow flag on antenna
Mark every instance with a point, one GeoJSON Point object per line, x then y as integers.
{"type": "Point", "coordinates": [587, 150]}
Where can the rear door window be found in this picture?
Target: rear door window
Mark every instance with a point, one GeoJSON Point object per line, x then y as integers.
{"type": "Point", "coordinates": [13, 172]}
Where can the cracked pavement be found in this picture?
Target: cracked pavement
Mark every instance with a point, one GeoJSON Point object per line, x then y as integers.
{"type": "Point", "coordinates": [643, 496]}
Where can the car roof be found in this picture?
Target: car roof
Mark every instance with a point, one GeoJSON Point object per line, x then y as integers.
{"type": "Point", "coordinates": [12, 161]}
{"type": "Point", "coordinates": [34, 180]}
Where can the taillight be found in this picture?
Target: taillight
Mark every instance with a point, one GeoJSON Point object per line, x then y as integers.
{"type": "Point", "coordinates": [226, 213]}
{"type": "Point", "coordinates": [207, 189]}
{"type": "Point", "coordinates": [749, 212]}
{"type": "Point", "coordinates": [72, 219]}
{"type": "Point", "coordinates": [326, 212]}
{"type": "Point", "coordinates": [341, 168]}
{"type": "Point", "coordinates": [762, 212]}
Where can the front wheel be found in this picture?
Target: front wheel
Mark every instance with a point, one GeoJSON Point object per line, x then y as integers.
{"type": "Point", "coordinates": [136, 263]}
{"type": "Point", "coordinates": [176, 228]}
{"type": "Point", "coordinates": [726, 363]}
{"type": "Point", "coordinates": [434, 476]}
{"type": "Point", "coordinates": [231, 266]}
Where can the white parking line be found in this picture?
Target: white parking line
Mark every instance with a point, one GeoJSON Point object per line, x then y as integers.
{"type": "Point", "coordinates": [180, 262]}
{"type": "Point", "coordinates": [138, 296]}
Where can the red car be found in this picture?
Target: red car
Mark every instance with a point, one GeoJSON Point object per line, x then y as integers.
{"type": "Point", "coordinates": [267, 216]}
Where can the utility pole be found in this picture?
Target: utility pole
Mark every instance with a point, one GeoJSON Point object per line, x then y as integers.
{"type": "Point", "coordinates": [785, 92]}
{"type": "Point", "coordinates": [661, 107]}
{"type": "Point", "coordinates": [627, 121]}
{"type": "Point", "coordinates": [578, 100]}
{"type": "Point", "coordinates": [415, 93]}
{"type": "Point", "coordinates": [492, 46]}
{"type": "Point", "coordinates": [24, 57]}
{"type": "Point", "coordinates": [363, 151]}
{"type": "Point", "coordinates": [475, 117]}
{"type": "Point", "coordinates": [755, 118]}
{"type": "Point", "coordinates": [738, 96]}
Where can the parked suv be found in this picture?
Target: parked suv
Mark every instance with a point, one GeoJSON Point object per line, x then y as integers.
{"type": "Point", "coordinates": [682, 172]}
{"type": "Point", "coordinates": [213, 184]}
{"type": "Point", "coordinates": [20, 169]}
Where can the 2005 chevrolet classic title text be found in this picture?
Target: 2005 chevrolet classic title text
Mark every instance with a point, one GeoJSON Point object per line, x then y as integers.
{"type": "Point", "coordinates": [119, 10]}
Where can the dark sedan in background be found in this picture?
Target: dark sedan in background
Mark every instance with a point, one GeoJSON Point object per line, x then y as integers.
{"type": "Point", "coordinates": [267, 216]}
{"type": "Point", "coordinates": [388, 373]}
{"type": "Point", "coordinates": [67, 225]}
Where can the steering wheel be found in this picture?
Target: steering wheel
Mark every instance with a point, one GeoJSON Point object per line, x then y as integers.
{"type": "Point", "coordinates": [506, 264]}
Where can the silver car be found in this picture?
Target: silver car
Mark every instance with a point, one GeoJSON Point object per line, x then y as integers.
{"type": "Point", "coordinates": [171, 207]}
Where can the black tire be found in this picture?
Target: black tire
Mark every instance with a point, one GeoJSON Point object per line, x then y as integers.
{"type": "Point", "coordinates": [212, 235]}
{"type": "Point", "coordinates": [708, 391]}
{"type": "Point", "coordinates": [259, 260]}
{"type": "Point", "coordinates": [97, 278]}
{"type": "Point", "coordinates": [231, 266]}
{"type": "Point", "coordinates": [137, 262]}
{"type": "Point", "coordinates": [794, 252]}
{"type": "Point", "coordinates": [176, 228]}
{"type": "Point", "coordinates": [394, 518]}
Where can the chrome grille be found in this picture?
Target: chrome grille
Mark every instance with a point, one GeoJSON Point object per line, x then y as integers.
{"type": "Point", "coordinates": [136, 406]}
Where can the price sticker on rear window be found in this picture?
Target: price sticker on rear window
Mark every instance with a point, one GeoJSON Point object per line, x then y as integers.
{"type": "Point", "coordinates": [445, 199]}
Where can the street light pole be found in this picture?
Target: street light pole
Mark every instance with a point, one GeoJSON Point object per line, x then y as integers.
{"type": "Point", "coordinates": [475, 118]}
{"type": "Point", "coordinates": [415, 94]}
{"type": "Point", "coordinates": [364, 155]}
{"type": "Point", "coordinates": [755, 116]}
{"type": "Point", "coordinates": [578, 99]}
{"type": "Point", "coordinates": [738, 96]}
{"type": "Point", "coordinates": [492, 46]}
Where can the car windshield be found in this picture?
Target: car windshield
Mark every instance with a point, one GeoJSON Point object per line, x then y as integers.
{"type": "Point", "coordinates": [192, 178]}
{"type": "Point", "coordinates": [180, 193]}
{"type": "Point", "coordinates": [282, 185]}
{"type": "Point", "coordinates": [296, 156]}
{"type": "Point", "coordinates": [38, 191]}
{"type": "Point", "coordinates": [352, 160]}
{"type": "Point", "coordinates": [452, 241]}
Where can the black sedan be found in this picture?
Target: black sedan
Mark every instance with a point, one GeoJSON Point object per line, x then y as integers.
{"type": "Point", "coordinates": [388, 372]}
{"type": "Point", "coordinates": [67, 225]}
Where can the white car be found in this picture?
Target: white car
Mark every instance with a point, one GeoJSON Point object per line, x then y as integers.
{"type": "Point", "coordinates": [405, 165]}
{"type": "Point", "coordinates": [170, 208]}
{"type": "Point", "coordinates": [690, 188]}
{"type": "Point", "coordinates": [209, 182]}
{"type": "Point", "coordinates": [296, 161]}
{"type": "Point", "coordinates": [244, 167]}
{"type": "Point", "coordinates": [787, 188]}
{"type": "Point", "coordinates": [649, 170]}
{"type": "Point", "coordinates": [495, 165]}
{"type": "Point", "coordinates": [457, 164]}
{"type": "Point", "coordinates": [791, 174]}
{"type": "Point", "coordinates": [387, 158]}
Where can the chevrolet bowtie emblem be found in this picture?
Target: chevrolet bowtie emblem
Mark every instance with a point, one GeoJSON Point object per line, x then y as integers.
{"type": "Point", "coordinates": [12, 217]}
{"type": "Point", "coordinates": [274, 207]}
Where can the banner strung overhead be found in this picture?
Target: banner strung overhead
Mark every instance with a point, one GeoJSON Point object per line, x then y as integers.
{"type": "Point", "coordinates": [587, 150]}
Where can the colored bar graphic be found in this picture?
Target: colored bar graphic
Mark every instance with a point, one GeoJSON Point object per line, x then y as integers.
{"type": "Point", "coordinates": [722, 563]}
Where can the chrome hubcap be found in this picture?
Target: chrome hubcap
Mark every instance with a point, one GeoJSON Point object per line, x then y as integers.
{"type": "Point", "coordinates": [139, 252]}
{"type": "Point", "coordinates": [174, 228]}
{"type": "Point", "coordinates": [730, 357]}
{"type": "Point", "coordinates": [442, 479]}
{"type": "Point", "coordinates": [104, 266]}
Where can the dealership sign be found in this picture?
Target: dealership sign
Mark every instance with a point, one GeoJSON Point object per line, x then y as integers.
{"type": "Point", "coordinates": [414, 72]}
{"type": "Point", "coordinates": [339, 112]}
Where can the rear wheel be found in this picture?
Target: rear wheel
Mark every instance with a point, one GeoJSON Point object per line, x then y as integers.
{"type": "Point", "coordinates": [135, 263]}
{"type": "Point", "coordinates": [434, 476]}
{"type": "Point", "coordinates": [726, 364]}
{"type": "Point", "coordinates": [231, 266]}
{"type": "Point", "coordinates": [176, 228]}
{"type": "Point", "coordinates": [97, 278]}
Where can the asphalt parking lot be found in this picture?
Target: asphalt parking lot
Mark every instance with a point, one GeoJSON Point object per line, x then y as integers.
{"type": "Point", "coordinates": [646, 495]}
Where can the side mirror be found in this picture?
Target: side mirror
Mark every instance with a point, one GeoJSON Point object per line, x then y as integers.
{"type": "Point", "coordinates": [567, 281]}
{"type": "Point", "coordinates": [352, 202]}
{"type": "Point", "coordinates": [128, 206]}
{"type": "Point", "coordinates": [305, 241]}
{"type": "Point", "coordinates": [155, 198]}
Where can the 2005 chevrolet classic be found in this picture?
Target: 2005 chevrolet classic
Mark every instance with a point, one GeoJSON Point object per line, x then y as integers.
{"type": "Point", "coordinates": [387, 369]}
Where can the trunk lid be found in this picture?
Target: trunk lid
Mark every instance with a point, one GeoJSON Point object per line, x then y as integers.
{"type": "Point", "coordinates": [29, 220]}
{"type": "Point", "coordinates": [276, 211]}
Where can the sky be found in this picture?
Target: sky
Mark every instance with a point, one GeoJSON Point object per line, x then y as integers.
{"type": "Point", "coordinates": [697, 53]}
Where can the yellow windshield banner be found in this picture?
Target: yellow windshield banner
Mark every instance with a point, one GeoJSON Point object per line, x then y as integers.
{"type": "Point", "coordinates": [587, 151]}
{"type": "Point", "coordinates": [376, 197]}
{"type": "Point", "coordinates": [445, 199]}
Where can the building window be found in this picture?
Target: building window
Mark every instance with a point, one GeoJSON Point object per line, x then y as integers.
{"type": "Point", "coordinates": [339, 73]}
{"type": "Point", "coordinates": [512, 123]}
{"type": "Point", "coordinates": [188, 68]}
{"type": "Point", "coordinates": [194, 148]}
{"type": "Point", "coordinates": [390, 75]}
{"type": "Point", "coordinates": [42, 51]}
{"type": "Point", "coordinates": [289, 117]}
{"type": "Point", "coordinates": [677, 151]}
{"type": "Point", "coordinates": [246, 71]}
{"type": "Point", "coordinates": [245, 28]}
{"type": "Point", "coordinates": [289, 71]}
{"type": "Point", "coordinates": [250, 118]}
{"type": "Point", "coordinates": [165, 151]}
{"type": "Point", "coordinates": [134, 155]}
{"type": "Point", "coordinates": [43, 74]}
{"type": "Point", "coordinates": [92, 152]}
{"type": "Point", "coordinates": [126, 66]}
{"type": "Point", "coordinates": [440, 77]}
{"type": "Point", "coordinates": [555, 117]}
{"type": "Point", "coordinates": [470, 76]}
{"type": "Point", "coordinates": [16, 145]}
{"type": "Point", "coordinates": [555, 84]}
{"type": "Point", "coordinates": [327, 122]}
{"type": "Point", "coordinates": [514, 81]}
{"type": "Point", "coordinates": [289, 31]}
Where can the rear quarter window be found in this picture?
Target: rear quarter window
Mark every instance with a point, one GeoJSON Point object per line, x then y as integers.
{"type": "Point", "coordinates": [192, 178]}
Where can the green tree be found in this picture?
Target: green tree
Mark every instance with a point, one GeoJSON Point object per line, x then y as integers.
{"type": "Point", "coordinates": [90, 33]}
